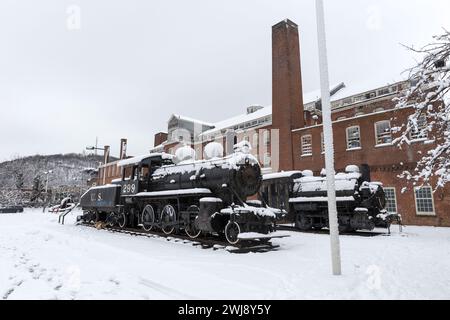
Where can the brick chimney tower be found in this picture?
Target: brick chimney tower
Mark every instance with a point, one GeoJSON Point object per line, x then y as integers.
{"type": "Point", "coordinates": [287, 92]}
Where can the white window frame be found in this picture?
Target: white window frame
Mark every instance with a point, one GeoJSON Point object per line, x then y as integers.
{"type": "Point", "coordinates": [348, 144]}
{"type": "Point", "coordinates": [303, 145]}
{"type": "Point", "coordinates": [376, 133]}
{"type": "Point", "coordinates": [255, 140]}
{"type": "Point", "coordinates": [415, 136]}
{"type": "Point", "coordinates": [267, 163]}
{"type": "Point", "coordinates": [395, 198]}
{"type": "Point", "coordinates": [266, 138]}
{"type": "Point", "coordinates": [420, 213]}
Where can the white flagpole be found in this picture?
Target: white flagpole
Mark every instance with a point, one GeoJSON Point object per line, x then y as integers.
{"type": "Point", "coordinates": [328, 139]}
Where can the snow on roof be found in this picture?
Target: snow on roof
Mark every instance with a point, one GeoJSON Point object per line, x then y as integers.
{"type": "Point", "coordinates": [180, 117]}
{"type": "Point", "coordinates": [138, 159]}
{"type": "Point", "coordinates": [356, 88]}
{"type": "Point", "coordinates": [261, 113]}
{"type": "Point", "coordinates": [315, 95]}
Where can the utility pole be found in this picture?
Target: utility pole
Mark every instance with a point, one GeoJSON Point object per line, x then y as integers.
{"type": "Point", "coordinates": [328, 137]}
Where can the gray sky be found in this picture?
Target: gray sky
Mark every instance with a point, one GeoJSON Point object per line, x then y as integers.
{"type": "Point", "coordinates": [132, 63]}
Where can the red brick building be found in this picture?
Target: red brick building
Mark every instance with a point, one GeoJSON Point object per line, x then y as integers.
{"type": "Point", "coordinates": [288, 135]}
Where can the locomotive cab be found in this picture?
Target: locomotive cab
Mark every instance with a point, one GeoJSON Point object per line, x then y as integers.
{"type": "Point", "coordinates": [136, 176]}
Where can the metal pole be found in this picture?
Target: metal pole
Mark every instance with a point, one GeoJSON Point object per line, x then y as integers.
{"type": "Point", "coordinates": [328, 139]}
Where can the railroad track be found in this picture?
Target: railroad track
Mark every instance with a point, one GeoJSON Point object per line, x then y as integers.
{"type": "Point", "coordinates": [325, 231]}
{"type": "Point", "coordinates": [205, 242]}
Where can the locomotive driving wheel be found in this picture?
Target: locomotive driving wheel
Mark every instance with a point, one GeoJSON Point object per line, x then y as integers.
{"type": "Point", "coordinates": [148, 218]}
{"type": "Point", "coordinates": [122, 220]}
{"type": "Point", "coordinates": [191, 229]}
{"type": "Point", "coordinates": [168, 219]}
{"type": "Point", "coordinates": [232, 231]}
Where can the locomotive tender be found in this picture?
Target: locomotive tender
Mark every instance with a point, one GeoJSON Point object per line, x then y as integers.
{"type": "Point", "coordinates": [360, 202]}
{"type": "Point", "coordinates": [207, 196]}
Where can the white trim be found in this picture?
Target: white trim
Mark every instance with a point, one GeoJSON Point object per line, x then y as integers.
{"type": "Point", "coordinates": [173, 192]}
{"type": "Point", "coordinates": [395, 197]}
{"type": "Point", "coordinates": [425, 214]}
{"type": "Point", "coordinates": [303, 154]}
{"type": "Point", "coordinates": [347, 141]}
{"type": "Point", "coordinates": [379, 145]}
{"type": "Point", "coordinates": [349, 119]}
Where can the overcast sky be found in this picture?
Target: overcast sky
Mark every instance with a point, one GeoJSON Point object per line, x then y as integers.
{"type": "Point", "coordinates": [125, 66]}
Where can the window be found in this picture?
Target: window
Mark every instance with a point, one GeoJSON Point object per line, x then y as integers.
{"type": "Point", "coordinates": [383, 91]}
{"type": "Point", "coordinates": [378, 110]}
{"type": "Point", "coordinates": [383, 132]}
{"type": "Point", "coordinates": [267, 160]}
{"type": "Point", "coordinates": [348, 101]}
{"type": "Point", "coordinates": [353, 138]}
{"type": "Point", "coordinates": [266, 137]}
{"type": "Point", "coordinates": [371, 95]}
{"type": "Point", "coordinates": [391, 200]}
{"type": "Point", "coordinates": [360, 113]}
{"type": "Point", "coordinates": [322, 144]}
{"type": "Point", "coordinates": [307, 145]}
{"type": "Point", "coordinates": [255, 141]}
{"type": "Point", "coordinates": [421, 131]}
{"type": "Point", "coordinates": [341, 118]}
{"type": "Point", "coordinates": [359, 98]}
{"type": "Point", "coordinates": [424, 201]}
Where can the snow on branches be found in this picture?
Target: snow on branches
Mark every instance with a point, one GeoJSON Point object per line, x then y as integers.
{"type": "Point", "coordinates": [429, 94]}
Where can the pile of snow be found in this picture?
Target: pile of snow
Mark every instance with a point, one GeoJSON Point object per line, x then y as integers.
{"type": "Point", "coordinates": [41, 259]}
{"type": "Point", "coordinates": [352, 169]}
{"type": "Point", "coordinates": [231, 162]}
{"type": "Point", "coordinates": [244, 146]}
{"type": "Point", "coordinates": [185, 153]}
{"type": "Point", "coordinates": [136, 160]}
{"type": "Point", "coordinates": [213, 150]}
{"type": "Point", "coordinates": [262, 212]}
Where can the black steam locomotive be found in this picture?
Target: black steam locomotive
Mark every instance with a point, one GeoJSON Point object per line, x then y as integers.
{"type": "Point", "coordinates": [207, 196]}
{"type": "Point", "coordinates": [360, 202]}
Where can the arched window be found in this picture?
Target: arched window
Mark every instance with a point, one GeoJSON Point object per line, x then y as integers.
{"type": "Point", "coordinates": [255, 140]}
{"type": "Point", "coordinates": [266, 137]}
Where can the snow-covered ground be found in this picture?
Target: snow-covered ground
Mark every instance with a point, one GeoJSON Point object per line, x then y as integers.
{"type": "Point", "coordinates": [40, 259]}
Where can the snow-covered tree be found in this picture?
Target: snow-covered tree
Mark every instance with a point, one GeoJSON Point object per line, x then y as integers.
{"type": "Point", "coordinates": [429, 94]}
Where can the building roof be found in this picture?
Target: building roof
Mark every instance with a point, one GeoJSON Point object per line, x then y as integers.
{"type": "Point", "coordinates": [227, 123]}
{"type": "Point", "coordinates": [342, 91]}
{"type": "Point", "coordinates": [180, 117]}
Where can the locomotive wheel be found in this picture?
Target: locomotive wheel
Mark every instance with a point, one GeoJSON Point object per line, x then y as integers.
{"type": "Point", "coordinates": [122, 220]}
{"type": "Point", "coordinates": [232, 231]}
{"type": "Point", "coordinates": [168, 216]}
{"type": "Point", "coordinates": [148, 218]}
{"type": "Point", "coordinates": [303, 223]}
{"type": "Point", "coordinates": [111, 220]}
{"type": "Point", "coordinates": [191, 230]}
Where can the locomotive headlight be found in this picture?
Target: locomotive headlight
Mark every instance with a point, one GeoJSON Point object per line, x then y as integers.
{"type": "Point", "coordinates": [247, 161]}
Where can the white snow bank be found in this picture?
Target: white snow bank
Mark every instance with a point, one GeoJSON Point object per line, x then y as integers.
{"type": "Point", "coordinates": [43, 260]}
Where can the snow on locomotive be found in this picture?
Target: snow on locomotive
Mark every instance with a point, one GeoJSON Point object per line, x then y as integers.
{"type": "Point", "coordinates": [360, 202]}
{"type": "Point", "coordinates": [206, 196]}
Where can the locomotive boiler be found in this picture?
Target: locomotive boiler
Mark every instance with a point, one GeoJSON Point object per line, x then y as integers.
{"type": "Point", "coordinates": [207, 196]}
{"type": "Point", "coordinates": [360, 202]}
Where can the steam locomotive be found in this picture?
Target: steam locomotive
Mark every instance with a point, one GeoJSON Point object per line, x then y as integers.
{"type": "Point", "coordinates": [207, 196]}
{"type": "Point", "coordinates": [360, 202]}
